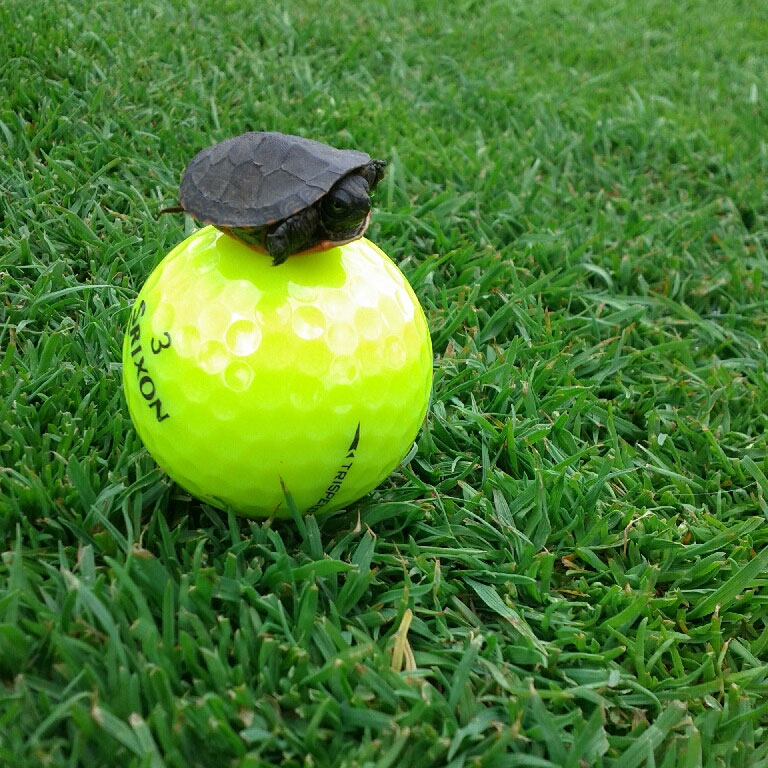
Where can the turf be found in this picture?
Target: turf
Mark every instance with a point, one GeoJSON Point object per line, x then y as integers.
{"type": "Point", "coordinates": [571, 569]}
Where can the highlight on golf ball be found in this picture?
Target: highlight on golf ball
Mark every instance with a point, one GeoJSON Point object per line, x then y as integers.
{"type": "Point", "coordinates": [247, 382]}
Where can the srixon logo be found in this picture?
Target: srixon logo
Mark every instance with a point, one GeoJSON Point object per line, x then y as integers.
{"type": "Point", "coordinates": [144, 379]}
{"type": "Point", "coordinates": [338, 479]}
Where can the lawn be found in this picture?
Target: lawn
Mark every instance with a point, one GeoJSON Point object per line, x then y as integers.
{"type": "Point", "coordinates": [572, 568]}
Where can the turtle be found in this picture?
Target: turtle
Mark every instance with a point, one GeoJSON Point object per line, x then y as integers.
{"type": "Point", "coordinates": [281, 193]}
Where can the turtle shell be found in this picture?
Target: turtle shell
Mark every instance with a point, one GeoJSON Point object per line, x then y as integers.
{"type": "Point", "coordinates": [259, 178]}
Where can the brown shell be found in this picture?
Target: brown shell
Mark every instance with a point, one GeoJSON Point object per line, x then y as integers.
{"type": "Point", "coordinates": [260, 178]}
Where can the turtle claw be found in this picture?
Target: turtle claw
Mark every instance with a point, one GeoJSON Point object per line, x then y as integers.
{"type": "Point", "coordinates": [278, 248]}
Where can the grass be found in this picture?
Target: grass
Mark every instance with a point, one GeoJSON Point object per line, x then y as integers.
{"type": "Point", "coordinates": [571, 570]}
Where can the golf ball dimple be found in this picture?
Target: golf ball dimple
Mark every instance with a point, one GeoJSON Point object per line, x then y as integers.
{"type": "Point", "coordinates": [244, 379]}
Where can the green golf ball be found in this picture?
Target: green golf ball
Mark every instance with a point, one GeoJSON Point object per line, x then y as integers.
{"type": "Point", "coordinates": [249, 383]}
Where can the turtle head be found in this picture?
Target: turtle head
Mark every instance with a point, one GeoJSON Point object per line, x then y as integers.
{"type": "Point", "coordinates": [346, 206]}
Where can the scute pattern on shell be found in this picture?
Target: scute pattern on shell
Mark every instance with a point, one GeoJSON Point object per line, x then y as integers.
{"type": "Point", "coordinates": [259, 178]}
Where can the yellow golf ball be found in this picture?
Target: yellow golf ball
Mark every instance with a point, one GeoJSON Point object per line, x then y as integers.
{"type": "Point", "coordinates": [247, 381]}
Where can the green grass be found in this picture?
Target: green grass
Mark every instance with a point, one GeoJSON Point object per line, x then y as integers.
{"type": "Point", "coordinates": [572, 569]}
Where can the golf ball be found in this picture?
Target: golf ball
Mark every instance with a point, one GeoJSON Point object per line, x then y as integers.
{"type": "Point", "coordinates": [249, 383]}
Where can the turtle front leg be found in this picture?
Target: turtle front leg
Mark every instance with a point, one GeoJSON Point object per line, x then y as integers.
{"type": "Point", "coordinates": [373, 173]}
{"type": "Point", "coordinates": [292, 235]}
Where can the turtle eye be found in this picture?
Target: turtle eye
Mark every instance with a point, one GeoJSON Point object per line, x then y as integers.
{"type": "Point", "coordinates": [337, 206]}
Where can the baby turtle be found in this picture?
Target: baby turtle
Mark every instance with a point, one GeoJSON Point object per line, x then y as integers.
{"type": "Point", "coordinates": [280, 193]}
